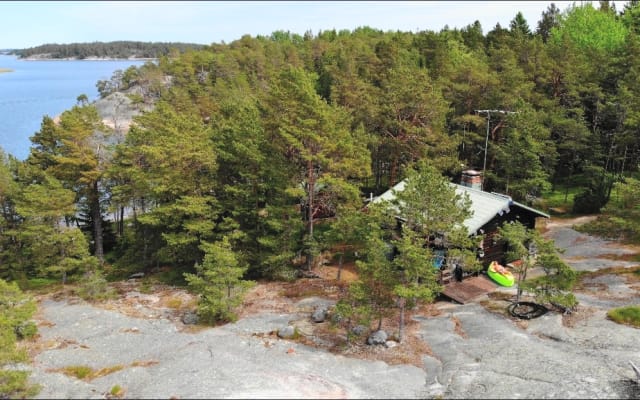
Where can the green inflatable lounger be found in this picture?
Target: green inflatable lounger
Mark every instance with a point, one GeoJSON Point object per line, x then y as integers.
{"type": "Point", "coordinates": [500, 274]}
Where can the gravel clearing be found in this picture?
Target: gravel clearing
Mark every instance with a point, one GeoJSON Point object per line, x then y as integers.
{"type": "Point", "coordinates": [476, 353]}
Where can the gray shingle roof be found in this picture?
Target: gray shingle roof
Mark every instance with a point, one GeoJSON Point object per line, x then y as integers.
{"type": "Point", "coordinates": [484, 205]}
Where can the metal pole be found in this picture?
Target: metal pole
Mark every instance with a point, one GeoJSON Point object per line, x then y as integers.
{"type": "Point", "coordinates": [486, 139]}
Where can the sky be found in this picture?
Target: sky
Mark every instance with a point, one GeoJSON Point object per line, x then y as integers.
{"type": "Point", "coordinates": [31, 23]}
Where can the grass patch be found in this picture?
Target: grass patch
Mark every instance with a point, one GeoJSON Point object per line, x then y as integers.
{"type": "Point", "coordinates": [499, 295]}
{"type": "Point", "coordinates": [146, 363]}
{"type": "Point", "coordinates": [628, 315]}
{"type": "Point", "coordinates": [608, 271]}
{"type": "Point", "coordinates": [174, 303]}
{"type": "Point", "coordinates": [495, 307]}
{"type": "Point", "coordinates": [604, 227]}
{"type": "Point", "coordinates": [86, 373]}
{"type": "Point", "coordinates": [107, 371]}
{"type": "Point", "coordinates": [77, 371]}
{"type": "Point", "coordinates": [37, 284]}
{"type": "Point", "coordinates": [560, 200]}
{"type": "Point", "coordinates": [116, 391]}
{"type": "Point", "coordinates": [632, 275]}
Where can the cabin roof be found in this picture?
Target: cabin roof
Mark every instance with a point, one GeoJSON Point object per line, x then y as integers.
{"type": "Point", "coordinates": [485, 205]}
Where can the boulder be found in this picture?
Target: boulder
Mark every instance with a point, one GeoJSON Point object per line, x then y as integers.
{"type": "Point", "coordinates": [390, 344]}
{"type": "Point", "coordinates": [377, 337]}
{"type": "Point", "coordinates": [286, 332]}
{"type": "Point", "coordinates": [319, 314]}
{"type": "Point", "coordinates": [190, 318]}
{"type": "Point", "coordinates": [359, 330]}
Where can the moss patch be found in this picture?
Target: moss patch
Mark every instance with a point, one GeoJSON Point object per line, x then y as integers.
{"type": "Point", "coordinates": [628, 315]}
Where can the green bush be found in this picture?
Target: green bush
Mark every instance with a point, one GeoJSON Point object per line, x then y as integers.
{"type": "Point", "coordinates": [94, 286]}
{"type": "Point", "coordinates": [588, 202]}
{"type": "Point", "coordinates": [16, 309]}
{"type": "Point", "coordinates": [628, 315]}
{"type": "Point", "coordinates": [26, 330]}
{"type": "Point", "coordinates": [15, 385]}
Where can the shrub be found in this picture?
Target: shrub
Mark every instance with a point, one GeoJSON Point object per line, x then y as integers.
{"type": "Point", "coordinates": [26, 330]}
{"type": "Point", "coordinates": [94, 286]}
{"type": "Point", "coordinates": [146, 286]}
{"type": "Point", "coordinates": [14, 385]}
{"type": "Point", "coordinates": [15, 310]}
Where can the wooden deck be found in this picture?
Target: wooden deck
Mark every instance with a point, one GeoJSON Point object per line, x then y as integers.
{"type": "Point", "coordinates": [469, 289]}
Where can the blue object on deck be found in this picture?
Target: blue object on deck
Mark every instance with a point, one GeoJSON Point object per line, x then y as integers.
{"type": "Point", "coordinates": [438, 259]}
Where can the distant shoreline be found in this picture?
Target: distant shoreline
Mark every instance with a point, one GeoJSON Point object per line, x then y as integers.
{"type": "Point", "coordinates": [2, 70]}
{"type": "Point", "coordinates": [45, 58]}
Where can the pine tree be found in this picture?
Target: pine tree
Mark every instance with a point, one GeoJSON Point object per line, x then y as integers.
{"type": "Point", "coordinates": [76, 152]}
{"type": "Point", "coordinates": [322, 150]}
{"type": "Point", "coordinates": [219, 282]}
{"type": "Point", "coordinates": [417, 279]}
{"type": "Point", "coordinates": [533, 250]}
{"type": "Point", "coordinates": [429, 208]}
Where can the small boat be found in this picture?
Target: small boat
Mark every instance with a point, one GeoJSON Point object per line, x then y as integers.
{"type": "Point", "coordinates": [500, 274]}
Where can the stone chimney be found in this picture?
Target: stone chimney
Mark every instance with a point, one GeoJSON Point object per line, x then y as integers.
{"type": "Point", "coordinates": [471, 178]}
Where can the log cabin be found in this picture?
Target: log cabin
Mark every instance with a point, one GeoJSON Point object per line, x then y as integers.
{"type": "Point", "coordinates": [490, 210]}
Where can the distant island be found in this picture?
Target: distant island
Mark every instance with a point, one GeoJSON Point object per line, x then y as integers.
{"type": "Point", "coordinates": [5, 70]}
{"type": "Point", "coordinates": [103, 51]}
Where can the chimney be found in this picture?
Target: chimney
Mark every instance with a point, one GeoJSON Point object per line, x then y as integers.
{"type": "Point", "coordinates": [471, 178]}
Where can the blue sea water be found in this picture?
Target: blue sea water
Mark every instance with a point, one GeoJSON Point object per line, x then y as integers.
{"type": "Point", "coordinates": [37, 88]}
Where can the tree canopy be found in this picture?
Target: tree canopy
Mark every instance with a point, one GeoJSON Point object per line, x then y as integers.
{"type": "Point", "coordinates": [268, 141]}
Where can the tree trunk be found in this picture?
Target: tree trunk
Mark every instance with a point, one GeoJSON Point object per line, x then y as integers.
{"type": "Point", "coordinates": [521, 277]}
{"type": "Point", "coordinates": [121, 225]}
{"type": "Point", "coordinates": [393, 173]}
{"type": "Point", "coordinates": [402, 303]}
{"type": "Point", "coordinates": [311, 186]}
{"type": "Point", "coordinates": [64, 271]}
{"type": "Point", "coordinates": [96, 216]}
{"type": "Point", "coordinates": [339, 267]}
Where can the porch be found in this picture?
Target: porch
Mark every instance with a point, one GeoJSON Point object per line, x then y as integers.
{"type": "Point", "coordinates": [468, 289]}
